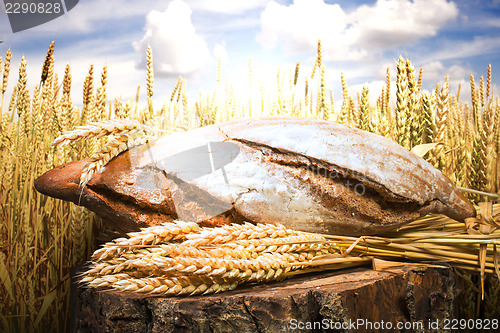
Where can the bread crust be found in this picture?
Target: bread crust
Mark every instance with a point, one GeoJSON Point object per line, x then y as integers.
{"type": "Point", "coordinates": [307, 174]}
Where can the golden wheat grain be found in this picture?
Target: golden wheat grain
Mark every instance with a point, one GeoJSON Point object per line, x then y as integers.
{"type": "Point", "coordinates": [364, 110]}
{"type": "Point", "coordinates": [88, 95]}
{"type": "Point", "coordinates": [481, 91]}
{"type": "Point", "coordinates": [319, 57]}
{"type": "Point", "coordinates": [22, 107]}
{"type": "Point", "coordinates": [227, 233]}
{"type": "Point", "coordinates": [419, 81]}
{"type": "Point", "coordinates": [48, 95]}
{"type": "Point", "coordinates": [6, 70]}
{"type": "Point", "coordinates": [165, 286]}
{"type": "Point", "coordinates": [375, 115]}
{"type": "Point", "coordinates": [497, 147]}
{"type": "Point", "coordinates": [385, 128]}
{"type": "Point", "coordinates": [66, 95]}
{"type": "Point", "coordinates": [402, 101]}
{"type": "Point", "coordinates": [212, 268]}
{"type": "Point", "coordinates": [386, 98]}
{"type": "Point", "coordinates": [105, 154]}
{"type": "Point", "coordinates": [181, 88]}
{"type": "Point", "coordinates": [98, 129]}
{"type": "Point", "coordinates": [440, 132]}
{"type": "Point", "coordinates": [185, 107]}
{"type": "Point", "coordinates": [452, 133]}
{"type": "Point", "coordinates": [149, 75]}
{"type": "Point", "coordinates": [475, 103]}
{"type": "Point", "coordinates": [118, 108]}
{"type": "Point", "coordinates": [414, 116]}
{"type": "Point", "coordinates": [176, 87]}
{"type": "Point", "coordinates": [49, 62]}
{"type": "Point", "coordinates": [318, 61]}
{"type": "Point", "coordinates": [485, 181]}
{"type": "Point", "coordinates": [148, 236]}
{"type": "Point", "coordinates": [322, 111]}
{"type": "Point", "coordinates": [240, 270]}
{"type": "Point", "coordinates": [136, 100]}
{"type": "Point", "coordinates": [353, 112]}
{"type": "Point", "coordinates": [296, 74]}
{"type": "Point", "coordinates": [474, 175]}
{"type": "Point", "coordinates": [101, 96]}
{"type": "Point", "coordinates": [465, 150]}
{"type": "Point", "coordinates": [462, 163]}
{"type": "Point", "coordinates": [149, 84]}
{"type": "Point", "coordinates": [488, 83]}
{"type": "Point", "coordinates": [290, 244]}
{"type": "Point", "coordinates": [88, 87]}
{"type": "Point", "coordinates": [344, 111]}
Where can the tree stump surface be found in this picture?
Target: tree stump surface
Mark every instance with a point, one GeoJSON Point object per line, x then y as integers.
{"type": "Point", "coordinates": [318, 302]}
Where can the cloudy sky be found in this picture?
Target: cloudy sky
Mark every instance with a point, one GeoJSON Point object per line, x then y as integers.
{"type": "Point", "coordinates": [359, 38]}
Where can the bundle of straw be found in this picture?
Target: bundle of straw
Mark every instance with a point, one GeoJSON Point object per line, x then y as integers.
{"type": "Point", "coordinates": [471, 245]}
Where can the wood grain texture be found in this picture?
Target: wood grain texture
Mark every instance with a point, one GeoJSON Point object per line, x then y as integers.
{"type": "Point", "coordinates": [408, 293]}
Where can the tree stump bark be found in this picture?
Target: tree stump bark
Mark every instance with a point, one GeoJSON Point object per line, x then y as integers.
{"type": "Point", "coordinates": [338, 300]}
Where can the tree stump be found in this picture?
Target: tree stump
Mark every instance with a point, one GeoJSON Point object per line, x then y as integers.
{"type": "Point", "coordinates": [345, 301]}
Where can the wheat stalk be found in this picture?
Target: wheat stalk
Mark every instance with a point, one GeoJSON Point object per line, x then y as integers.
{"type": "Point", "coordinates": [97, 130]}
{"type": "Point", "coordinates": [49, 62]}
{"type": "Point", "coordinates": [104, 155]}
{"type": "Point", "coordinates": [180, 258]}
{"type": "Point", "coordinates": [344, 111]}
{"type": "Point", "coordinates": [124, 134]}
{"type": "Point", "coordinates": [364, 110]}
{"type": "Point", "coordinates": [481, 91]}
{"type": "Point", "coordinates": [440, 131]}
{"type": "Point", "coordinates": [148, 236]}
{"type": "Point", "coordinates": [485, 181]}
{"type": "Point", "coordinates": [402, 98]}
{"type": "Point", "coordinates": [414, 117]}
{"type": "Point", "coordinates": [6, 70]}
{"type": "Point", "coordinates": [233, 254]}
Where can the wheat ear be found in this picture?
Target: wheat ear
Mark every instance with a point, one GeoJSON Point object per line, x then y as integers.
{"type": "Point", "coordinates": [98, 130]}
{"type": "Point", "coordinates": [181, 258]}
{"type": "Point", "coordinates": [402, 98]}
{"type": "Point", "coordinates": [147, 236]}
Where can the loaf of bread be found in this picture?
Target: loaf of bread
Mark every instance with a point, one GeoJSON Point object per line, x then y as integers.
{"type": "Point", "coordinates": [309, 175]}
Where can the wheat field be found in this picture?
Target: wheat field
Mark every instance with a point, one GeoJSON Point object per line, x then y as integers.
{"type": "Point", "coordinates": [42, 238]}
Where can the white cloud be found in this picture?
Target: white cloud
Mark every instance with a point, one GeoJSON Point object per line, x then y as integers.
{"type": "Point", "coordinates": [468, 48]}
{"type": "Point", "coordinates": [177, 48]}
{"type": "Point", "coordinates": [392, 22]}
{"type": "Point", "coordinates": [226, 6]}
{"type": "Point", "coordinates": [299, 26]}
{"type": "Point", "coordinates": [366, 30]}
{"type": "Point", "coordinates": [436, 71]}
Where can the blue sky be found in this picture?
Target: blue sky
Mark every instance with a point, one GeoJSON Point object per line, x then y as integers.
{"type": "Point", "coordinates": [359, 38]}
